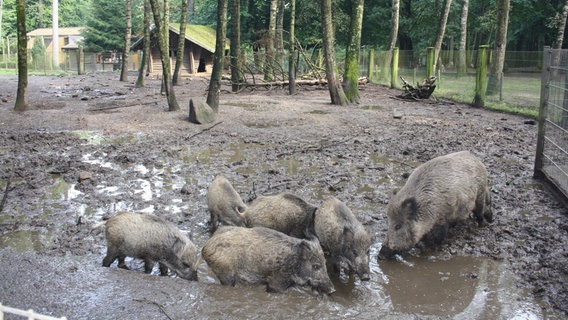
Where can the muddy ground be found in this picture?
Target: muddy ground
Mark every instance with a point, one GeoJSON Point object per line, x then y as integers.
{"type": "Point", "coordinates": [92, 146]}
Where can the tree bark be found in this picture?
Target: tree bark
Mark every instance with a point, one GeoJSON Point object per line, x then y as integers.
{"type": "Point", "coordinates": [496, 68]}
{"type": "Point", "coordinates": [292, 51]}
{"type": "Point", "coordinates": [335, 90]}
{"type": "Point", "coordinates": [395, 14]}
{"type": "Point", "coordinates": [55, 33]}
{"type": "Point", "coordinates": [181, 42]}
{"type": "Point", "coordinates": [143, 70]}
{"type": "Point", "coordinates": [462, 53]}
{"type": "Point", "coordinates": [22, 93]}
{"type": "Point", "coordinates": [441, 30]}
{"type": "Point", "coordinates": [269, 60]}
{"type": "Point", "coordinates": [127, 37]}
{"type": "Point", "coordinates": [562, 26]}
{"type": "Point", "coordinates": [236, 65]}
{"type": "Point", "coordinates": [351, 74]}
{"type": "Point", "coordinates": [279, 36]}
{"type": "Point", "coordinates": [162, 31]}
{"type": "Point", "coordinates": [217, 72]}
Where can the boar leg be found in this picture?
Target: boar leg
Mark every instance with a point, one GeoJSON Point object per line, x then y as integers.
{"type": "Point", "coordinates": [111, 255]}
{"type": "Point", "coordinates": [148, 265]}
{"type": "Point", "coordinates": [213, 222]}
{"type": "Point", "coordinates": [121, 263]}
{"type": "Point", "coordinates": [163, 269]}
{"type": "Point", "coordinates": [277, 284]}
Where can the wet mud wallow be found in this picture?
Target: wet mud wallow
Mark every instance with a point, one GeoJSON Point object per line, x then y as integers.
{"type": "Point", "coordinates": [91, 147]}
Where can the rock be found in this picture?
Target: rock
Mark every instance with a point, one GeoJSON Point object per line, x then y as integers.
{"type": "Point", "coordinates": [200, 112]}
{"type": "Point", "coordinates": [84, 175]}
{"type": "Point", "coordinates": [396, 114]}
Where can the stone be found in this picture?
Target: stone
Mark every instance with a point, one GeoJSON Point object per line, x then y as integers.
{"type": "Point", "coordinates": [200, 112]}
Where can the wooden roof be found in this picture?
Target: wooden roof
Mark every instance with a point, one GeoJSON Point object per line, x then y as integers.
{"type": "Point", "coordinates": [73, 31]}
{"type": "Point", "coordinates": [203, 36]}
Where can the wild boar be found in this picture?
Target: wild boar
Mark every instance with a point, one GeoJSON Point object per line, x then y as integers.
{"type": "Point", "coordinates": [265, 256]}
{"type": "Point", "coordinates": [152, 239]}
{"type": "Point", "coordinates": [439, 193]}
{"type": "Point", "coordinates": [284, 212]}
{"type": "Point", "coordinates": [343, 237]}
{"type": "Point", "coordinates": [224, 203]}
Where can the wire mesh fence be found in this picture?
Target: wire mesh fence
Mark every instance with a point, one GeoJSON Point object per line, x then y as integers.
{"type": "Point", "coordinates": [551, 159]}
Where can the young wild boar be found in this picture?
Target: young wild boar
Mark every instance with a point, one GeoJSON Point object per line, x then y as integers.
{"type": "Point", "coordinates": [439, 193]}
{"type": "Point", "coordinates": [153, 239]}
{"type": "Point", "coordinates": [225, 204]}
{"type": "Point", "coordinates": [264, 256]}
{"type": "Point", "coordinates": [284, 212]}
{"type": "Point", "coordinates": [343, 237]}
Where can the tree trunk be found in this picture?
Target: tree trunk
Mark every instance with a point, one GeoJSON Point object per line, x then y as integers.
{"type": "Point", "coordinates": [279, 36]}
{"type": "Point", "coordinates": [127, 36]}
{"type": "Point", "coordinates": [181, 42]}
{"type": "Point", "coordinates": [162, 31]}
{"type": "Point", "coordinates": [441, 30]}
{"type": "Point", "coordinates": [395, 14]}
{"type": "Point", "coordinates": [269, 60]}
{"type": "Point", "coordinates": [22, 93]}
{"type": "Point", "coordinates": [292, 53]}
{"type": "Point", "coordinates": [39, 23]}
{"type": "Point", "coordinates": [562, 26]}
{"type": "Point", "coordinates": [496, 69]}
{"type": "Point", "coordinates": [351, 74]}
{"type": "Point", "coordinates": [335, 90]}
{"type": "Point", "coordinates": [55, 33]}
{"type": "Point", "coordinates": [462, 53]}
{"type": "Point", "coordinates": [217, 72]}
{"type": "Point", "coordinates": [236, 65]}
{"type": "Point", "coordinates": [142, 71]}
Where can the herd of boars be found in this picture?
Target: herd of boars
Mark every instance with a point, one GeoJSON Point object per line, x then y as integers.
{"type": "Point", "coordinates": [282, 240]}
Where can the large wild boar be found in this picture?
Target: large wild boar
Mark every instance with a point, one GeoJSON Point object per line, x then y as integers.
{"type": "Point", "coordinates": [224, 203]}
{"type": "Point", "coordinates": [343, 237]}
{"type": "Point", "coordinates": [264, 256]}
{"type": "Point", "coordinates": [152, 239]}
{"type": "Point", "coordinates": [439, 193]}
{"type": "Point", "coordinates": [284, 212]}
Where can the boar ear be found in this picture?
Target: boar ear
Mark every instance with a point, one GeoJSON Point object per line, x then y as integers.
{"type": "Point", "coordinates": [409, 208]}
{"type": "Point", "coordinates": [304, 248]}
{"type": "Point", "coordinates": [178, 245]}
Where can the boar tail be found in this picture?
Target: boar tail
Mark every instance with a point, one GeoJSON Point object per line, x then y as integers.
{"type": "Point", "coordinates": [98, 226]}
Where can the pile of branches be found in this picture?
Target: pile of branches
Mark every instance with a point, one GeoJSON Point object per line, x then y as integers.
{"type": "Point", "coordinates": [421, 91]}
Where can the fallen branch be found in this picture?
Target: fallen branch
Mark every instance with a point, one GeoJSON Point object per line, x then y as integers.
{"type": "Point", "coordinates": [154, 303]}
{"type": "Point", "coordinates": [421, 91]}
{"type": "Point", "coordinates": [5, 196]}
{"type": "Point", "coordinates": [105, 107]}
{"type": "Point", "coordinates": [206, 129]}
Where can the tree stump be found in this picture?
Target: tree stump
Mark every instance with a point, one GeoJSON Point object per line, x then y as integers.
{"type": "Point", "coordinates": [421, 91]}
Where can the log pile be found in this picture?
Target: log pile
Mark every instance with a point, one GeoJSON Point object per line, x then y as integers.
{"type": "Point", "coordinates": [421, 91]}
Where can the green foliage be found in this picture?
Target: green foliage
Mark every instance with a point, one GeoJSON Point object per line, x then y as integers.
{"type": "Point", "coordinates": [106, 26]}
{"type": "Point", "coordinates": [38, 54]}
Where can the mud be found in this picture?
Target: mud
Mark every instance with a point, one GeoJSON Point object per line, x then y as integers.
{"type": "Point", "coordinates": [92, 146]}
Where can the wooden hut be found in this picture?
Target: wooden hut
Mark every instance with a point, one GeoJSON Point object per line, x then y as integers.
{"type": "Point", "coordinates": [198, 51]}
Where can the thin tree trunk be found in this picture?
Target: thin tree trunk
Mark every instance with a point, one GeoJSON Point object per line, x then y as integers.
{"type": "Point", "coordinates": [39, 22]}
{"type": "Point", "coordinates": [279, 36]}
{"type": "Point", "coordinates": [496, 69]}
{"type": "Point", "coordinates": [292, 53]}
{"type": "Point", "coordinates": [562, 26]}
{"type": "Point", "coordinates": [127, 37]}
{"type": "Point", "coordinates": [462, 53]}
{"type": "Point", "coordinates": [441, 30]}
{"type": "Point", "coordinates": [162, 31]}
{"type": "Point", "coordinates": [22, 93]}
{"type": "Point", "coordinates": [181, 42]}
{"type": "Point", "coordinates": [236, 65]}
{"type": "Point", "coordinates": [217, 72]}
{"type": "Point", "coordinates": [269, 60]}
{"type": "Point", "coordinates": [395, 14]}
{"type": "Point", "coordinates": [335, 90]}
{"type": "Point", "coordinates": [351, 74]}
{"type": "Point", "coordinates": [55, 33]}
{"type": "Point", "coordinates": [142, 71]}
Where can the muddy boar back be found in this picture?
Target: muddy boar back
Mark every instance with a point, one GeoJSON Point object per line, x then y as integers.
{"type": "Point", "coordinates": [153, 239]}
{"type": "Point", "coordinates": [261, 255]}
{"type": "Point", "coordinates": [343, 236]}
{"type": "Point", "coordinates": [284, 212]}
{"type": "Point", "coordinates": [225, 204]}
{"type": "Point", "coordinates": [439, 193]}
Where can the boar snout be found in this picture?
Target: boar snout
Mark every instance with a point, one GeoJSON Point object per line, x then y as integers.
{"type": "Point", "coordinates": [387, 253]}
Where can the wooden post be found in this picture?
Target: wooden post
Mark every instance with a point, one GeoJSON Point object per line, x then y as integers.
{"type": "Point", "coordinates": [371, 67]}
{"type": "Point", "coordinates": [394, 68]}
{"type": "Point", "coordinates": [80, 61]}
{"type": "Point", "coordinates": [430, 62]}
{"type": "Point", "coordinates": [481, 77]}
{"type": "Point", "coordinates": [544, 88]}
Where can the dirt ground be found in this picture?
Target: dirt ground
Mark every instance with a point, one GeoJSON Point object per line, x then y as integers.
{"type": "Point", "coordinates": [88, 143]}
